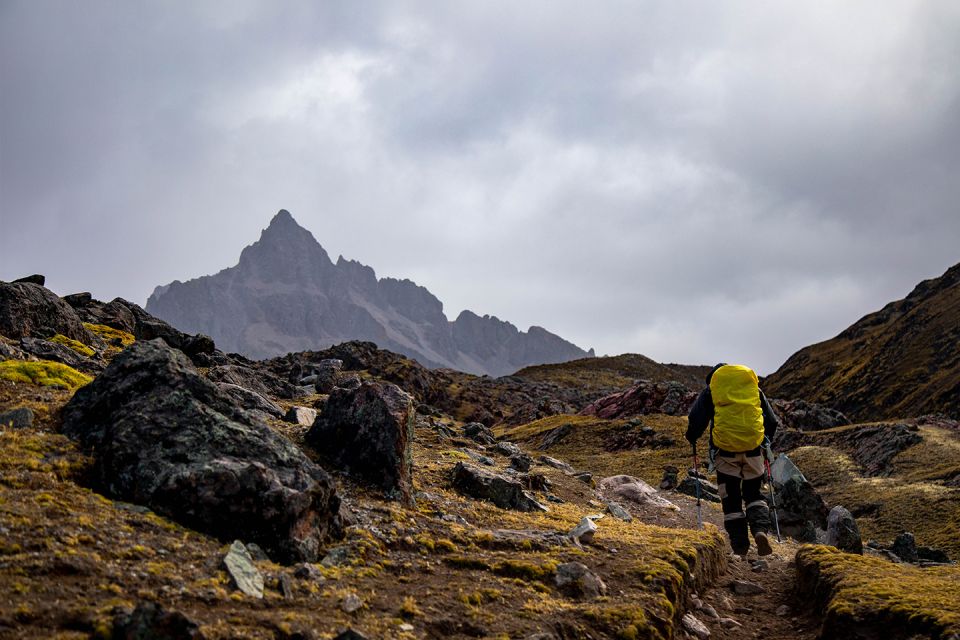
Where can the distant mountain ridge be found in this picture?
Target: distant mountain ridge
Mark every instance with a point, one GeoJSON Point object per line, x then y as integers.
{"type": "Point", "coordinates": [285, 294]}
{"type": "Point", "coordinates": [899, 362]}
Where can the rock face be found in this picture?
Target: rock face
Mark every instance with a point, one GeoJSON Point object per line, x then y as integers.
{"type": "Point", "coordinates": [368, 432]}
{"type": "Point", "coordinates": [27, 308]}
{"type": "Point", "coordinates": [502, 491]}
{"type": "Point", "coordinates": [163, 436]}
{"type": "Point", "coordinates": [800, 508]}
{"type": "Point", "coordinates": [287, 295]}
{"type": "Point", "coordinates": [807, 416]}
{"type": "Point", "coordinates": [842, 531]}
{"type": "Point", "coordinates": [671, 398]}
{"type": "Point", "coordinates": [861, 372]}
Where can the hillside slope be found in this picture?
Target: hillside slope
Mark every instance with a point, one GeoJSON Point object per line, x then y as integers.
{"type": "Point", "coordinates": [614, 372]}
{"type": "Point", "coordinates": [903, 360]}
{"type": "Point", "coordinates": [286, 295]}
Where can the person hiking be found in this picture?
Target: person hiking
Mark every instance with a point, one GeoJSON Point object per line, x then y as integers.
{"type": "Point", "coordinates": [740, 418]}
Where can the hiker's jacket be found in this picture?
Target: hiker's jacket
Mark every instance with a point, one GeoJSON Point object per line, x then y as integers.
{"type": "Point", "coordinates": [730, 409]}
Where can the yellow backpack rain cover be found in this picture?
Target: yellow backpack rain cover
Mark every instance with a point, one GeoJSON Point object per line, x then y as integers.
{"type": "Point", "coordinates": [737, 416]}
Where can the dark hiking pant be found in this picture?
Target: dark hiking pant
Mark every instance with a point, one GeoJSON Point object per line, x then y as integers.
{"type": "Point", "coordinates": [739, 478]}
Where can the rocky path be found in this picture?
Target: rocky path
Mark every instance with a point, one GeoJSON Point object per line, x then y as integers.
{"type": "Point", "coordinates": [755, 598]}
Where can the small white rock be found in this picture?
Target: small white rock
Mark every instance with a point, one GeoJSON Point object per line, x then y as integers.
{"type": "Point", "coordinates": [783, 610]}
{"type": "Point", "coordinates": [710, 612]}
{"type": "Point", "coordinates": [351, 602]}
{"type": "Point", "coordinates": [584, 531]}
{"type": "Point", "coordinates": [694, 626]}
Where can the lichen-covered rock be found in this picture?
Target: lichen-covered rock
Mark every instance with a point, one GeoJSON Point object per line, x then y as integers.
{"type": "Point", "coordinates": [164, 436]}
{"type": "Point", "coordinates": [905, 547]}
{"type": "Point", "coordinates": [251, 400]}
{"type": "Point", "coordinates": [19, 418]}
{"type": "Point", "coordinates": [47, 350]}
{"type": "Point", "coordinates": [368, 432]}
{"type": "Point", "coordinates": [28, 309]}
{"type": "Point", "coordinates": [303, 416]}
{"type": "Point", "coordinates": [479, 433]}
{"type": "Point", "coordinates": [842, 531]}
{"type": "Point", "coordinates": [800, 508]}
{"type": "Point", "coordinates": [245, 576]}
{"type": "Point", "coordinates": [502, 491]}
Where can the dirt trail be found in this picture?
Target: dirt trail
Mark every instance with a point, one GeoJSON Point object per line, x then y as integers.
{"type": "Point", "coordinates": [775, 613]}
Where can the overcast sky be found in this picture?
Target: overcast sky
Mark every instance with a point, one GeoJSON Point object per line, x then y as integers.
{"type": "Point", "coordinates": [694, 181]}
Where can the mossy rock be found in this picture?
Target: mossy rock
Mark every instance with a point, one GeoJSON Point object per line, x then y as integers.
{"type": "Point", "coordinates": [109, 334]}
{"type": "Point", "coordinates": [867, 597]}
{"type": "Point", "coordinates": [43, 373]}
{"type": "Point", "coordinates": [75, 345]}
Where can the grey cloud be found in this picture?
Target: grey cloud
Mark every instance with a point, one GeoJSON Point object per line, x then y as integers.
{"type": "Point", "coordinates": [694, 182]}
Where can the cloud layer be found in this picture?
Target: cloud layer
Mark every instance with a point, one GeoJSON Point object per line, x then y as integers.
{"type": "Point", "coordinates": [693, 181]}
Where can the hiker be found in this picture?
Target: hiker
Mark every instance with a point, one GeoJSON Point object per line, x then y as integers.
{"type": "Point", "coordinates": [740, 418]}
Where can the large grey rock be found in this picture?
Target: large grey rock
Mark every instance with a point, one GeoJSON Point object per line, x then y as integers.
{"type": "Point", "coordinates": [502, 491]}
{"type": "Point", "coordinates": [800, 508]}
{"type": "Point", "coordinates": [368, 432]}
{"type": "Point", "coordinates": [161, 435]}
{"type": "Point", "coordinates": [286, 295]}
{"type": "Point", "coordinates": [556, 464]}
{"type": "Point", "coordinates": [245, 576]}
{"type": "Point", "coordinates": [28, 309]}
{"type": "Point", "coordinates": [479, 433]}
{"type": "Point", "coordinates": [842, 531]}
{"type": "Point", "coordinates": [574, 579]}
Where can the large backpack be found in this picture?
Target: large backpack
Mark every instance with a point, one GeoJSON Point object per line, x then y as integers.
{"type": "Point", "coordinates": [737, 414]}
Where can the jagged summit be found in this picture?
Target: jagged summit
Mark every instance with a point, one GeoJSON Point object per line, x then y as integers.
{"type": "Point", "coordinates": [286, 294]}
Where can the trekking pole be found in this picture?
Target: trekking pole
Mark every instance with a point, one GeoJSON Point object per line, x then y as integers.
{"type": "Point", "coordinates": [696, 476]}
{"type": "Point", "coordinates": [767, 454]}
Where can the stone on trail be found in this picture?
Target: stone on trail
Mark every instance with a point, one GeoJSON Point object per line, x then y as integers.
{"type": "Point", "coordinates": [574, 579]}
{"type": "Point", "coordinates": [783, 610]}
{"type": "Point", "coordinates": [368, 432]}
{"type": "Point", "coordinates": [164, 436]}
{"type": "Point", "coordinates": [479, 433]}
{"type": "Point", "coordinates": [744, 588]}
{"type": "Point", "coordinates": [708, 490]}
{"type": "Point", "coordinates": [694, 627]}
{"type": "Point", "coordinates": [502, 491]}
{"type": "Point", "coordinates": [245, 575]}
{"type": "Point", "coordinates": [842, 531]}
{"type": "Point", "coordinates": [905, 547]}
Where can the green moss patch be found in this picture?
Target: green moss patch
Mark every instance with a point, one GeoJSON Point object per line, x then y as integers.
{"type": "Point", "coordinates": [872, 597]}
{"type": "Point", "coordinates": [43, 373]}
{"type": "Point", "coordinates": [75, 345]}
{"type": "Point", "coordinates": [110, 334]}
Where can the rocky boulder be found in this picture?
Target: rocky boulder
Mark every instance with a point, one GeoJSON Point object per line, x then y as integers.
{"type": "Point", "coordinates": [162, 435]}
{"type": "Point", "coordinates": [574, 579]}
{"type": "Point", "coordinates": [262, 382]}
{"type": "Point", "coordinates": [28, 309]}
{"type": "Point", "coordinates": [842, 531]}
{"type": "Point", "coordinates": [502, 491]}
{"type": "Point", "coordinates": [368, 432]}
{"type": "Point", "coordinates": [671, 398]}
{"type": "Point", "coordinates": [807, 416]}
{"type": "Point", "coordinates": [47, 350]}
{"type": "Point", "coordinates": [800, 508]}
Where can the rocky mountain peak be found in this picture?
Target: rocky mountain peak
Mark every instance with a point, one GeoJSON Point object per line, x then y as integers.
{"type": "Point", "coordinates": [285, 294]}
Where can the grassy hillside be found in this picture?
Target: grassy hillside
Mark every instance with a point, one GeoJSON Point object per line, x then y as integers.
{"type": "Point", "coordinates": [901, 361]}
{"type": "Point", "coordinates": [614, 372]}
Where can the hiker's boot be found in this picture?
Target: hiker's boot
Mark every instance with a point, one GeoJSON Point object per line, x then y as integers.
{"type": "Point", "coordinates": [736, 526]}
{"type": "Point", "coordinates": [758, 515]}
